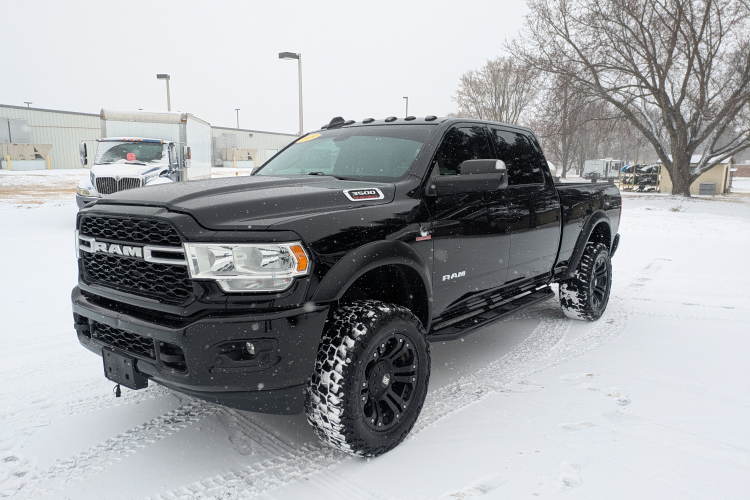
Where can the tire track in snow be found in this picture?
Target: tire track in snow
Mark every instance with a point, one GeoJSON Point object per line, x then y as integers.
{"type": "Point", "coordinates": [101, 456]}
{"type": "Point", "coordinates": [489, 379]}
{"type": "Point", "coordinates": [285, 464]}
{"type": "Point", "coordinates": [543, 349]}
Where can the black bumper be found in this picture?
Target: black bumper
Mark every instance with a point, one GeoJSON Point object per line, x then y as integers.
{"type": "Point", "coordinates": [273, 382]}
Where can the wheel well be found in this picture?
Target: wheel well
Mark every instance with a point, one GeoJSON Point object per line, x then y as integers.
{"type": "Point", "coordinates": [601, 234]}
{"type": "Point", "coordinates": [395, 284]}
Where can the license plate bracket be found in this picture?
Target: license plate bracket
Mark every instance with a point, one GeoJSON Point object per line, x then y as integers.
{"type": "Point", "coordinates": [120, 368]}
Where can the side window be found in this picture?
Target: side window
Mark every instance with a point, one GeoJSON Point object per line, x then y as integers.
{"type": "Point", "coordinates": [461, 144]}
{"type": "Point", "coordinates": [519, 156]}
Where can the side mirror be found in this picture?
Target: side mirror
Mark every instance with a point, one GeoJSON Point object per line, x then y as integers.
{"type": "Point", "coordinates": [475, 176]}
{"type": "Point", "coordinates": [82, 153]}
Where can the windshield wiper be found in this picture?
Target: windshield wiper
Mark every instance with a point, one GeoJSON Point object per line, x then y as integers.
{"type": "Point", "coordinates": [330, 175]}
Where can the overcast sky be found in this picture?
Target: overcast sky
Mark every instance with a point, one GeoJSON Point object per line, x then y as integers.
{"type": "Point", "coordinates": [359, 58]}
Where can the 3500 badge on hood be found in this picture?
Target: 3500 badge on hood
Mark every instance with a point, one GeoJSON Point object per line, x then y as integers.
{"type": "Point", "coordinates": [364, 194]}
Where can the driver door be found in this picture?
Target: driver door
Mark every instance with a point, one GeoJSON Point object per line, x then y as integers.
{"type": "Point", "coordinates": [469, 230]}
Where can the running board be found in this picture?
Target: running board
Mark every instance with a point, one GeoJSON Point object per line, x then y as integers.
{"type": "Point", "coordinates": [460, 326]}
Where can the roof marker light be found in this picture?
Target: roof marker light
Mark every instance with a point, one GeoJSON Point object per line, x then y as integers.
{"type": "Point", "coordinates": [336, 122]}
{"type": "Point", "coordinates": [391, 119]}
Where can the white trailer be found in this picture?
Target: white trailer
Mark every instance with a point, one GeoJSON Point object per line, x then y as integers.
{"type": "Point", "coordinates": [606, 168]}
{"type": "Point", "coordinates": [140, 148]}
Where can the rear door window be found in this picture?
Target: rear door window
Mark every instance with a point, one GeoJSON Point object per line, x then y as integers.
{"type": "Point", "coordinates": [460, 144]}
{"type": "Point", "coordinates": [519, 156]}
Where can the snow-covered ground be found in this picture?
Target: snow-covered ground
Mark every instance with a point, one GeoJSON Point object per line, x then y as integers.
{"type": "Point", "coordinates": [651, 401]}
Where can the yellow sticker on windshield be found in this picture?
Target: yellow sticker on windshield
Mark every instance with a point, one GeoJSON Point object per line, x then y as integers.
{"type": "Point", "coordinates": [308, 138]}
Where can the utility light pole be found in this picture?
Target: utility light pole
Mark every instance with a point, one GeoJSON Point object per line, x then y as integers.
{"type": "Point", "coordinates": [164, 76]}
{"type": "Point", "coordinates": [238, 117]}
{"type": "Point", "coordinates": [407, 106]}
{"type": "Point", "coordinates": [290, 56]}
{"type": "Point", "coordinates": [28, 104]}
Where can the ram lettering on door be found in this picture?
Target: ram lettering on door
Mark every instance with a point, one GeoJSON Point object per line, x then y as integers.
{"type": "Point", "coordinates": [453, 276]}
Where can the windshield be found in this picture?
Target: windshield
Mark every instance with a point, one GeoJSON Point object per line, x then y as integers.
{"type": "Point", "coordinates": [377, 153]}
{"type": "Point", "coordinates": [130, 152]}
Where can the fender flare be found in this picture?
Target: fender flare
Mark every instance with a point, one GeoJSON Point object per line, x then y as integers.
{"type": "Point", "coordinates": [598, 217]}
{"type": "Point", "coordinates": [366, 258]}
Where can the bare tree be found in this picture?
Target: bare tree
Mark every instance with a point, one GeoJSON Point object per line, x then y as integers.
{"type": "Point", "coordinates": [570, 124]}
{"type": "Point", "coordinates": [677, 70]}
{"type": "Point", "coordinates": [499, 91]}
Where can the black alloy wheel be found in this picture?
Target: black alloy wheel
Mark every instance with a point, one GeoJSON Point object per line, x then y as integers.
{"type": "Point", "coordinates": [388, 381]}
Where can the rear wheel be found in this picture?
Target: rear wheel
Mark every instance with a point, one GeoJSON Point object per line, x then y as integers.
{"type": "Point", "coordinates": [585, 296]}
{"type": "Point", "coordinates": [370, 378]}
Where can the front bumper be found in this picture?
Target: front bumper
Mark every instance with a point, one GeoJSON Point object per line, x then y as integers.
{"type": "Point", "coordinates": [288, 341]}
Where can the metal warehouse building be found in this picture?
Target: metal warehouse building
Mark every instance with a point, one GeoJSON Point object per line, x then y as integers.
{"type": "Point", "coordinates": [64, 130]}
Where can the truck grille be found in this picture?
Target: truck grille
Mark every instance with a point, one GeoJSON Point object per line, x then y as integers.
{"type": "Point", "coordinates": [168, 283]}
{"type": "Point", "coordinates": [128, 342]}
{"type": "Point", "coordinates": [109, 185]}
{"type": "Point", "coordinates": [134, 230]}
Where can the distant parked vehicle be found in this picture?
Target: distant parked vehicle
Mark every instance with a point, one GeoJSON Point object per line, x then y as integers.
{"type": "Point", "coordinates": [143, 148]}
{"type": "Point", "coordinates": [602, 169]}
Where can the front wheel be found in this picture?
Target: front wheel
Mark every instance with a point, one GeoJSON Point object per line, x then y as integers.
{"type": "Point", "coordinates": [370, 378]}
{"type": "Point", "coordinates": [585, 296]}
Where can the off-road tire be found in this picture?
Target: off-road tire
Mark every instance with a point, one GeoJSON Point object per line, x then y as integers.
{"type": "Point", "coordinates": [336, 400]}
{"type": "Point", "coordinates": [586, 294]}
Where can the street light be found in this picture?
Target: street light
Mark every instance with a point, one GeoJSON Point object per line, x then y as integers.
{"type": "Point", "coordinates": [289, 56]}
{"type": "Point", "coordinates": [238, 117]}
{"type": "Point", "coordinates": [407, 106]}
{"type": "Point", "coordinates": [28, 104]}
{"type": "Point", "coordinates": [164, 76]}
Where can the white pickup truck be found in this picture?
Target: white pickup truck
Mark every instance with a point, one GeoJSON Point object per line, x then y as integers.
{"type": "Point", "coordinates": [142, 148]}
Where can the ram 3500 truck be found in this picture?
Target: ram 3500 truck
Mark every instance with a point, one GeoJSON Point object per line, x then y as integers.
{"type": "Point", "coordinates": [318, 283]}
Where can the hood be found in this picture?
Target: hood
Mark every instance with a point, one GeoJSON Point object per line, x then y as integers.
{"type": "Point", "coordinates": [127, 169]}
{"type": "Point", "coordinates": [256, 202]}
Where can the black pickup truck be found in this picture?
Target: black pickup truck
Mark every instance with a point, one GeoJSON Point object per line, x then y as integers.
{"type": "Point", "coordinates": [317, 283]}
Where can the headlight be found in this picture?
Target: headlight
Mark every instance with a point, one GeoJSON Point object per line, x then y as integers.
{"type": "Point", "coordinates": [83, 192]}
{"type": "Point", "coordinates": [247, 268]}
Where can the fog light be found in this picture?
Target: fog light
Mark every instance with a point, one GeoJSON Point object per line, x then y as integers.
{"type": "Point", "coordinates": [250, 348]}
